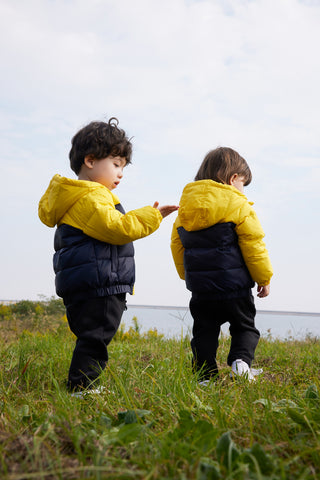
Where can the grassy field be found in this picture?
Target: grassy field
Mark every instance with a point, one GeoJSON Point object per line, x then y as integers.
{"type": "Point", "coordinates": [153, 421]}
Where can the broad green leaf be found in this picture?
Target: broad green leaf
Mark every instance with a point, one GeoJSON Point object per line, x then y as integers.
{"type": "Point", "coordinates": [226, 451]}
{"type": "Point", "coordinates": [208, 470]}
{"type": "Point", "coordinates": [264, 461]}
{"type": "Point", "coordinates": [298, 417]}
{"type": "Point", "coordinates": [312, 393]}
{"type": "Point", "coordinates": [131, 416]}
{"type": "Point", "coordinates": [25, 412]}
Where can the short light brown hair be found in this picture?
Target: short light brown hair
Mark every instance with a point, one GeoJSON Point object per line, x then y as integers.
{"type": "Point", "coordinates": [221, 164]}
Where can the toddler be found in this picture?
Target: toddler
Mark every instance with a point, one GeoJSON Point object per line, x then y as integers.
{"type": "Point", "coordinates": [218, 249]}
{"type": "Point", "coordinates": [94, 254]}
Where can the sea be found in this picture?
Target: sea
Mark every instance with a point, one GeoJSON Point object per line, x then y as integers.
{"type": "Point", "coordinates": [176, 322]}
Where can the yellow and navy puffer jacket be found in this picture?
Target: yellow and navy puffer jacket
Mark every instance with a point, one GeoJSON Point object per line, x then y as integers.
{"type": "Point", "coordinates": [94, 254]}
{"type": "Point", "coordinates": [217, 241]}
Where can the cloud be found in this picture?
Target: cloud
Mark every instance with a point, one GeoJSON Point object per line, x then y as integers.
{"type": "Point", "coordinates": [182, 77]}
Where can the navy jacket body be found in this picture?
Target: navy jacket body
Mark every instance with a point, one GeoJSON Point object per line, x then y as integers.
{"type": "Point", "coordinates": [88, 268]}
{"type": "Point", "coordinates": [213, 262]}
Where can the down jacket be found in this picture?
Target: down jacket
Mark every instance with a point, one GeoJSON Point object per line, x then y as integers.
{"type": "Point", "coordinates": [93, 242]}
{"type": "Point", "coordinates": [217, 241]}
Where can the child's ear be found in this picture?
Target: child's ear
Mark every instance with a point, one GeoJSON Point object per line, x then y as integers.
{"type": "Point", "coordinates": [233, 179]}
{"type": "Point", "coordinates": [89, 160]}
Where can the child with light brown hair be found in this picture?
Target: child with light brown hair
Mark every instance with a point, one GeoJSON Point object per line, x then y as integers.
{"type": "Point", "coordinates": [218, 249]}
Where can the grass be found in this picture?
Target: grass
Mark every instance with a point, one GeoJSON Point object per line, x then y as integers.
{"type": "Point", "coordinates": [153, 421]}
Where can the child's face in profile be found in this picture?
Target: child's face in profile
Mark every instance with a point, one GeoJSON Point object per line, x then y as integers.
{"type": "Point", "coordinates": [107, 171]}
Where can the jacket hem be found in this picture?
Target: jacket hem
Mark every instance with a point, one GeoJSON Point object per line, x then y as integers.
{"type": "Point", "coordinates": [243, 292]}
{"type": "Point", "coordinates": [100, 292]}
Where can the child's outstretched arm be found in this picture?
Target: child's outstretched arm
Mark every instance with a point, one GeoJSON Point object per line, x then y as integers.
{"type": "Point", "coordinates": [165, 210]}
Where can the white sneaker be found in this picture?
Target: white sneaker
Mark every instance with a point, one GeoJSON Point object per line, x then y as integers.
{"type": "Point", "coordinates": [256, 371]}
{"type": "Point", "coordinates": [91, 391]}
{"type": "Point", "coordinates": [242, 369]}
{"type": "Point", "coordinates": [203, 383]}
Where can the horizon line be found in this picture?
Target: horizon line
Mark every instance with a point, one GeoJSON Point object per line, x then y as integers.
{"type": "Point", "coordinates": [179, 307]}
{"type": "Point", "coordinates": [272, 312]}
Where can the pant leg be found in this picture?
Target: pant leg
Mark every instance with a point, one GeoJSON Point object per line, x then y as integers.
{"type": "Point", "coordinates": [94, 322]}
{"type": "Point", "coordinates": [205, 341]}
{"type": "Point", "coordinates": [244, 335]}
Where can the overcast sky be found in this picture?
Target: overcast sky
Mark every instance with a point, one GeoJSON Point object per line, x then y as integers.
{"type": "Point", "coordinates": [183, 77]}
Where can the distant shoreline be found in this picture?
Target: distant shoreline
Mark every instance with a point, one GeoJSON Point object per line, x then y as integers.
{"type": "Point", "coordinates": [175, 307]}
{"type": "Point", "coordinates": [263, 312]}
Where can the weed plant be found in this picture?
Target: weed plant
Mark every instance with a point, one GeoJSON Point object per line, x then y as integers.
{"type": "Point", "coordinates": [153, 421]}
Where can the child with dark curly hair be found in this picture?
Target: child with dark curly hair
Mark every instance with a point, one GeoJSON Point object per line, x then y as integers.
{"type": "Point", "coordinates": [94, 254]}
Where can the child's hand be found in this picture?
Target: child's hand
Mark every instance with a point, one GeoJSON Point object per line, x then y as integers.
{"type": "Point", "coordinates": [166, 209]}
{"type": "Point", "coordinates": [263, 291]}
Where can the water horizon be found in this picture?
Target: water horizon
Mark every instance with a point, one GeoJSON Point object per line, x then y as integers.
{"type": "Point", "coordinates": [176, 321]}
{"type": "Point", "coordinates": [178, 307]}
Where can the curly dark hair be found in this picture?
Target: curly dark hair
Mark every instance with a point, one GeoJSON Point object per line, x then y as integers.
{"type": "Point", "coordinates": [99, 139]}
{"type": "Point", "coordinates": [221, 164]}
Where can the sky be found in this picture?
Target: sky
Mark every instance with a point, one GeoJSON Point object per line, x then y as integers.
{"type": "Point", "coordinates": [182, 77]}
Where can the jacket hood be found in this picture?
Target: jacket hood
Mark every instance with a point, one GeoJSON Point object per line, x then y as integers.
{"type": "Point", "coordinates": [61, 194]}
{"type": "Point", "coordinates": [205, 202]}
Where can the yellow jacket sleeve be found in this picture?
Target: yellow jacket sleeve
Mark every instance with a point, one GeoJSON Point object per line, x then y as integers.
{"type": "Point", "coordinates": [177, 250]}
{"type": "Point", "coordinates": [253, 249]}
{"type": "Point", "coordinates": [96, 215]}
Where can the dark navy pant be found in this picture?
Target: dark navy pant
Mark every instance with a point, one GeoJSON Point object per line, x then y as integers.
{"type": "Point", "coordinates": [208, 316]}
{"type": "Point", "coordinates": [94, 322]}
